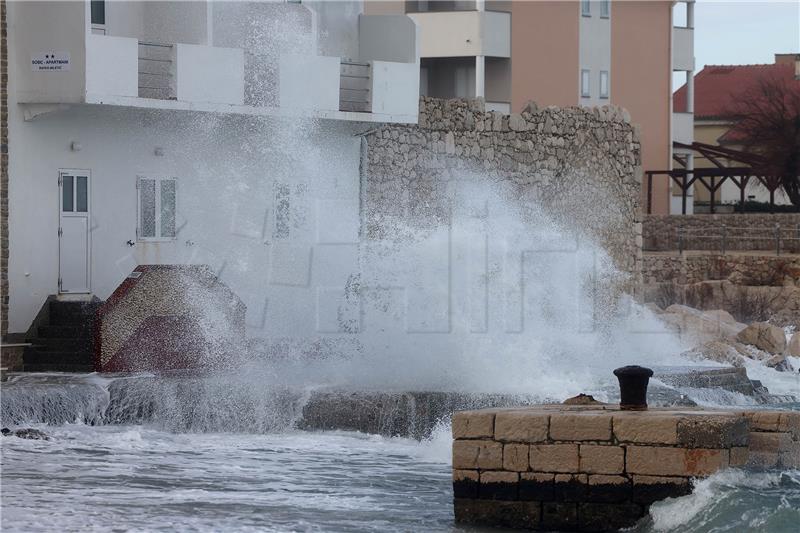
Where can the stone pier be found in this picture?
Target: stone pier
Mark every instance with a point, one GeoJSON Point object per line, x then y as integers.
{"type": "Point", "coordinates": [596, 468]}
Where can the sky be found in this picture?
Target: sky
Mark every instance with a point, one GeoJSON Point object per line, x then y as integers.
{"type": "Point", "coordinates": [731, 32]}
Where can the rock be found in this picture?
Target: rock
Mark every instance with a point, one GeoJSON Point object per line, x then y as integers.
{"type": "Point", "coordinates": [25, 433]}
{"type": "Point", "coordinates": [779, 363]}
{"type": "Point", "coordinates": [763, 336]}
{"type": "Point", "coordinates": [701, 326]}
{"type": "Point", "coordinates": [793, 348]}
{"type": "Point", "coordinates": [581, 399]}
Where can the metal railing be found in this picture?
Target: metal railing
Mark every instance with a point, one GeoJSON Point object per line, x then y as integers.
{"type": "Point", "coordinates": [354, 86]}
{"type": "Point", "coordinates": [764, 238]}
{"type": "Point", "coordinates": [156, 71]}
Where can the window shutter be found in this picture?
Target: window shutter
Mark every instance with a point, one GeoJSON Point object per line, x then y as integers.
{"type": "Point", "coordinates": [168, 208]}
{"type": "Point", "coordinates": [147, 208]}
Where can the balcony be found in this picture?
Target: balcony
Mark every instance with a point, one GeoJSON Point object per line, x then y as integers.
{"type": "Point", "coordinates": [464, 33]}
{"type": "Point", "coordinates": [382, 84]}
{"type": "Point", "coordinates": [682, 48]}
{"type": "Point", "coordinates": [683, 127]}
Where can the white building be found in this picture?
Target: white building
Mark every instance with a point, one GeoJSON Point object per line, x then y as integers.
{"type": "Point", "coordinates": [194, 132]}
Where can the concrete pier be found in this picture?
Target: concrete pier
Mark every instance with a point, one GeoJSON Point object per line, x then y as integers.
{"type": "Point", "coordinates": [596, 468]}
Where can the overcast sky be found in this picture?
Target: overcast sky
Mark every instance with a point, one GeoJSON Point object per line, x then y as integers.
{"type": "Point", "coordinates": [732, 32]}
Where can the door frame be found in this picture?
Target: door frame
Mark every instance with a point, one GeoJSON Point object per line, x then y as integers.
{"type": "Point", "coordinates": [76, 172]}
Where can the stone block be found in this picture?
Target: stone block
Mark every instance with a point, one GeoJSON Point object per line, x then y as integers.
{"type": "Point", "coordinates": [783, 421]}
{"type": "Point", "coordinates": [515, 457]}
{"type": "Point", "coordinates": [465, 483]}
{"type": "Point", "coordinates": [561, 458]}
{"type": "Point", "coordinates": [517, 515]}
{"type": "Point", "coordinates": [738, 456]}
{"type": "Point", "coordinates": [763, 460]}
{"type": "Point", "coordinates": [570, 487]}
{"type": "Point", "coordinates": [598, 459]}
{"type": "Point", "coordinates": [769, 442]}
{"type": "Point", "coordinates": [579, 427]}
{"type": "Point", "coordinates": [477, 454]}
{"type": "Point", "coordinates": [641, 428]}
{"type": "Point", "coordinates": [659, 461]}
{"type": "Point", "coordinates": [713, 431]}
{"type": "Point", "coordinates": [559, 516]}
{"type": "Point", "coordinates": [473, 424]}
{"type": "Point", "coordinates": [608, 517]}
{"type": "Point", "coordinates": [521, 426]}
{"type": "Point", "coordinates": [535, 486]}
{"type": "Point", "coordinates": [609, 489]}
{"type": "Point", "coordinates": [498, 485]}
{"type": "Point", "coordinates": [649, 489]}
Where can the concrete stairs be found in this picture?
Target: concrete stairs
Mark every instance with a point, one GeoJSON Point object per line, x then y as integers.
{"type": "Point", "coordinates": [63, 341]}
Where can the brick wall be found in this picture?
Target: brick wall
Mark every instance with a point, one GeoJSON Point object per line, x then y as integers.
{"type": "Point", "coordinates": [752, 231]}
{"type": "Point", "coordinates": [3, 170]}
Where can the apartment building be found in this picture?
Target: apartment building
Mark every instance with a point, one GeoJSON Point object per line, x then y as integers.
{"type": "Point", "coordinates": [194, 133]}
{"type": "Point", "coordinates": [588, 52]}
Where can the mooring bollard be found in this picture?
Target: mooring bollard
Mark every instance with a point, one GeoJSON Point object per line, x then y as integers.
{"type": "Point", "coordinates": [633, 382]}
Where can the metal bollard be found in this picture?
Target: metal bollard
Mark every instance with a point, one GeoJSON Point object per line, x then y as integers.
{"type": "Point", "coordinates": [633, 381]}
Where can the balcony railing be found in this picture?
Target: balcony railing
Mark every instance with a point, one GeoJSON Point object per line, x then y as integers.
{"type": "Point", "coordinates": [354, 86]}
{"type": "Point", "coordinates": [156, 71]}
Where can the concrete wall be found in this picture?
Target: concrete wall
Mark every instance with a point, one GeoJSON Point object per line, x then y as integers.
{"type": "Point", "coordinates": [640, 36]}
{"type": "Point", "coordinates": [41, 27]}
{"type": "Point", "coordinates": [537, 74]}
{"type": "Point", "coordinates": [209, 74]}
{"type": "Point", "coordinates": [112, 66]}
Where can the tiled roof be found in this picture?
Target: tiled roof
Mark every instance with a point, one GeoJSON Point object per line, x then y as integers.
{"type": "Point", "coordinates": [717, 87]}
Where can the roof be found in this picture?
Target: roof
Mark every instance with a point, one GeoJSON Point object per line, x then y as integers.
{"type": "Point", "coordinates": [717, 87]}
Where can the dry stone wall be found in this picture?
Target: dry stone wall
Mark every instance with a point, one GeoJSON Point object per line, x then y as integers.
{"type": "Point", "coordinates": [597, 468]}
{"type": "Point", "coordinates": [754, 270]}
{"type": "Point", "coordinates": [752, 231]}
{"type": "Point", "coordinates": [582, 165]}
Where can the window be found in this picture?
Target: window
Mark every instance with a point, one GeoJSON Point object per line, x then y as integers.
{"type": "Point", "coordinates": [603, 84]}
{"type": "Point", "coordinates": [98, 11]}
{"type": "Point", "coordinates": [157, 209]}
{"type": "Point", "coordinates": [586, 83]}
{"type": "Point", "coordinates": [605, 9]}
{"type": "Point", "coordinates": [586, 8]}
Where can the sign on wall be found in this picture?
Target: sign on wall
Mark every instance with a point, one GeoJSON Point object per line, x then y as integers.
{"type": "Point", "coordinates": [50, 62]}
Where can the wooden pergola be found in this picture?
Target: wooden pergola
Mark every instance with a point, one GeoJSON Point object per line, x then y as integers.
{"type": "Point", "coordinates": [738, 167]}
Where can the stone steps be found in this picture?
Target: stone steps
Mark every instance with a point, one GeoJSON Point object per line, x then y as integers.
{"type": "Point", "coordinates": [65, 342]}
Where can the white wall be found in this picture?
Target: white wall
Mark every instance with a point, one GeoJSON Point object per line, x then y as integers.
{"type": "Point", "coordinates": [232, 173]}
{"type": "Point", "coordinates": [209, 74]}
{"type": "Point", "coordinates": [42, 27]}
{"type": "Point", "coordinates": [309, 82]}
{"type": "Point", "coordinates": [112, 65]}
{"type": "Point", "coordinates": [594, 52]}
{"type": "Point", "coordinates": [395, 88]}
{"type": "Point", "coordinates": [464, 33]}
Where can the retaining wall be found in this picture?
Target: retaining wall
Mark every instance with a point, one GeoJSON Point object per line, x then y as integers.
{"type": "Point", "coordinates": [597, 468]}
{"type": "Point", "coordinates": [752, 231]}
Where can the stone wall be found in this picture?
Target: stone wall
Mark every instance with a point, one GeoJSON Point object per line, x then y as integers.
{"type": "Point", "coordinates": [739, 269]}
{"type": "Point", "coordinates": [752, 231]}
{"type": "Point", "coordinates": [580, 164]}
{"type": "Point", "coordinates": [597, 468]}
{"type": "Point", "coordinates": [3, 170]}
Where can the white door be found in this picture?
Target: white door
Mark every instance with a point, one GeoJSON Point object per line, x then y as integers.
{"type": "Point", "coordinates": [74, 242]}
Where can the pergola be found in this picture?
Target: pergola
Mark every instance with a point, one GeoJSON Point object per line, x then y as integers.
{"type": "Point", "coordinates": [736, 166]}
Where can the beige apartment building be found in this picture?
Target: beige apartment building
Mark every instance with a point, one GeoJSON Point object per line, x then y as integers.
{"type": "Point", "coordinates": [563, 53]}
